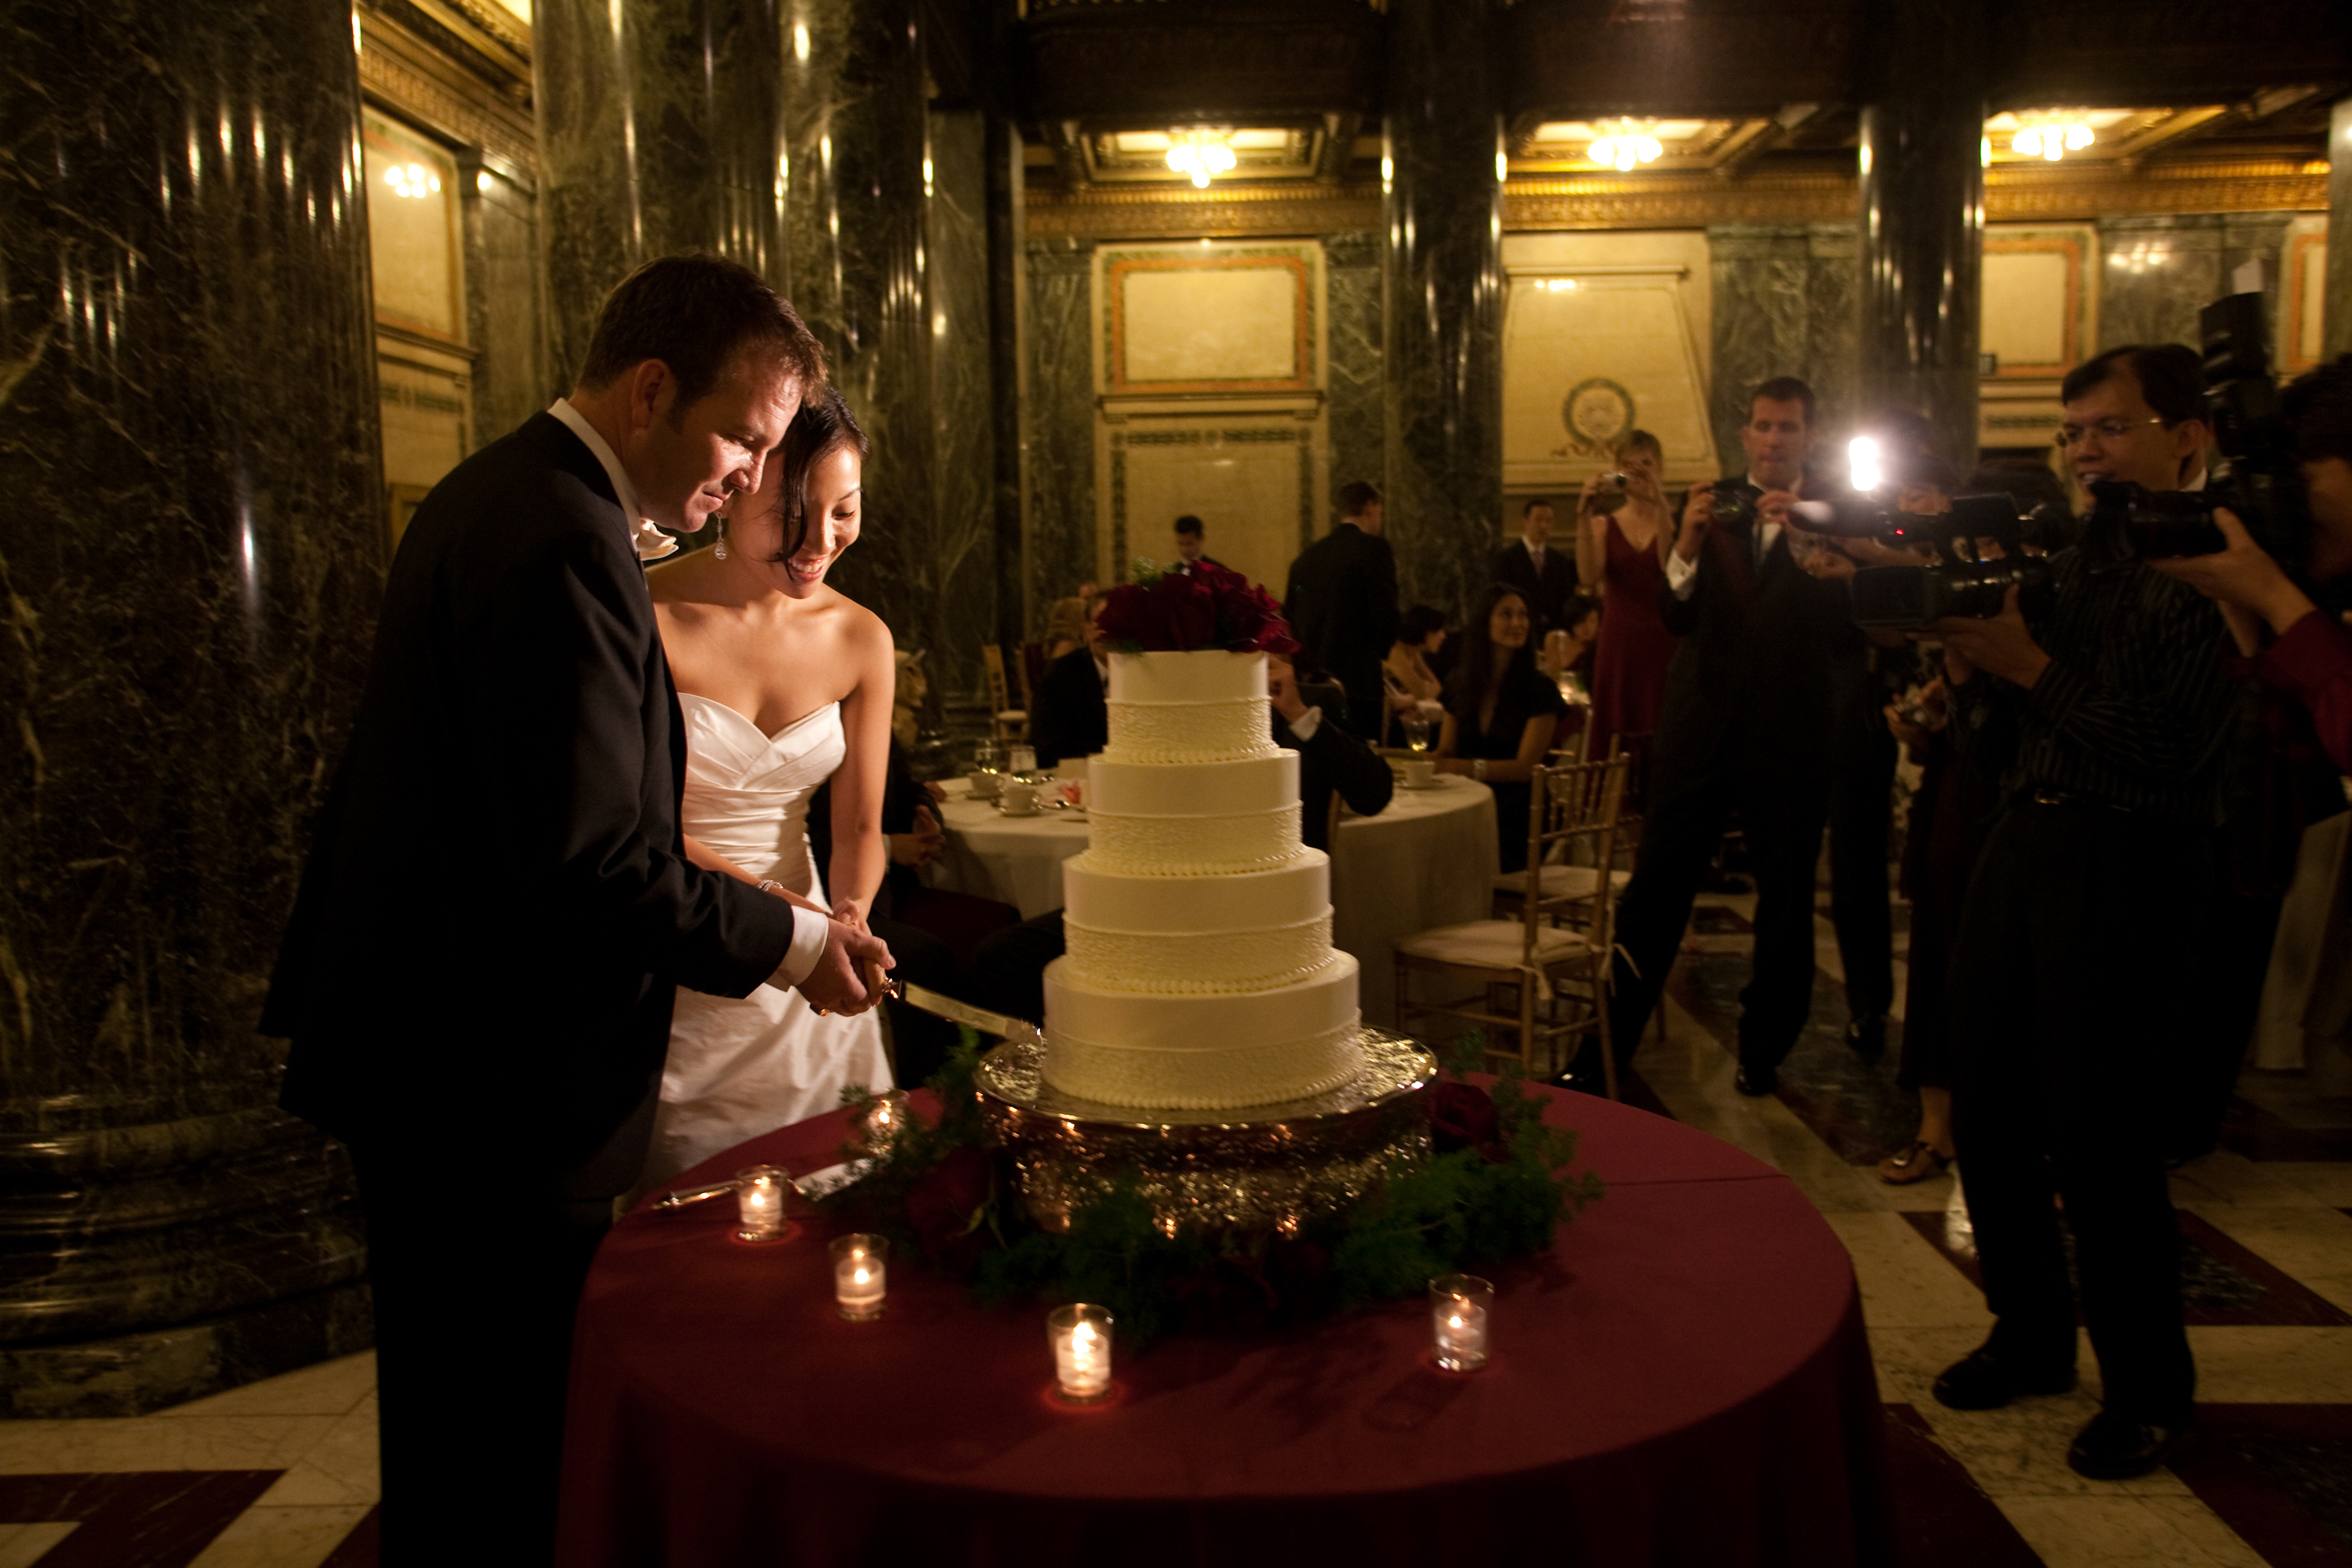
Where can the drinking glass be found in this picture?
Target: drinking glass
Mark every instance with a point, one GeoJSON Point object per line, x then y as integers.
{"type": "Point", "coordinates": [1416, 735]}
{"type": "Point", "coordinates": [986, 758]}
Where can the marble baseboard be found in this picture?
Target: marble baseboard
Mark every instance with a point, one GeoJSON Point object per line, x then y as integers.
{"type": "Point", "coordinates": [133, 1374]}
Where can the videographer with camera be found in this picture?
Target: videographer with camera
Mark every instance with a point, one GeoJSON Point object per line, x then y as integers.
{"type": "Point", "coordinates": [2293, 733]}
{"type": "Point", "coordinates": [2297, 647]}
{"type": "Point", "coordinates": [2102, 708]}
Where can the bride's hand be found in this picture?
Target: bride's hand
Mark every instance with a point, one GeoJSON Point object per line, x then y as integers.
{"type": "Point", "coordinates": [850, 912]}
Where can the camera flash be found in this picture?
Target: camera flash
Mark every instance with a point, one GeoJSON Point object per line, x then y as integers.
{"type": "Point", "coordinates": [1861, 468]}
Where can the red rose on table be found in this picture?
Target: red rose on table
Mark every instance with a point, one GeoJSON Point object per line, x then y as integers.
{"type": "Point", "coordinates": [1462, 1116]}
{"type": "Point", "coordinates": [944, 1206]}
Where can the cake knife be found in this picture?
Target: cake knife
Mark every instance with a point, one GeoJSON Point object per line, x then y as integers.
{"type": "Point", "coordinates": [1019, 1031]}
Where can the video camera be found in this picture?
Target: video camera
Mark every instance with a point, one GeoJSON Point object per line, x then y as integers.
{"type": "Point", "coordinates": [1979, 550]}
{"type": "Point", "coordinates": [2258, 479]}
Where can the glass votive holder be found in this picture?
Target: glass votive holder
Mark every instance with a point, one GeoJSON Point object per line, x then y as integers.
{"type": "Point", "coordinates": [1080, 1335]}
{"type": "Point", "coordinates": [884, 1120]}
{"type": "Point", "coordinates": [860, 1274]}
{"type": "Point", "coordinates": [1460, 1314]}
{"type": "Point", "coordinates": [759, 1202]}
{"type": "Point", "coordinates": [1022, 759]}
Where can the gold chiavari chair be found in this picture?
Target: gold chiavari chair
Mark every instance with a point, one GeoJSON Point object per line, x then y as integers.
{"type": "Point", "coordinates": [1554, 959]}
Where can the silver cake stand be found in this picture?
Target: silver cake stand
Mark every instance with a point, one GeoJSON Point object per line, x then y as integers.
{"type": "Point", "coordinates": [1262, 1168]}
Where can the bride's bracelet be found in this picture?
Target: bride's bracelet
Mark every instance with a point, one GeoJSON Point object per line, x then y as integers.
{"type": "Point", "coordinates": [771, 885]}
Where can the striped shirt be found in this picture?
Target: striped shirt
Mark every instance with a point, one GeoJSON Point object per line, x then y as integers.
{"type": "Point", "coordinates": [2135, 706]}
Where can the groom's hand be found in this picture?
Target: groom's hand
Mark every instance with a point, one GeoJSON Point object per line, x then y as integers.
{"type": "Point", "coordinates": [850, 958]}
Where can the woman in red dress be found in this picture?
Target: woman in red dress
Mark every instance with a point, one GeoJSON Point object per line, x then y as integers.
{"type": "Point", "coordinates": [1621, 553]}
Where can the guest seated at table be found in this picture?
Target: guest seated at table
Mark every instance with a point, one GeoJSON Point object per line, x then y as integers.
{"type": "Point", "coordinates": [1065, 628]}
{"type": "Point", "coordinates": [1407, 672]}
{"type": "Point", "coordinates": [1073, 716]}
{"type": "Point", "coordinates": [1500, 714]}
{"type": "Point", "coordinates": [1310, 717]}
{"type": "Point", "coordinates": [1567, 649]}
{"type": "Point", "coordinates": [932, 931]}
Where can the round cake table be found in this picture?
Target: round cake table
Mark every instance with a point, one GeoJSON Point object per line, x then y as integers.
{"type": "Point", "coordinates": [1682, 1380]}
{"type": "Point", "coordinates": [1428, 860]}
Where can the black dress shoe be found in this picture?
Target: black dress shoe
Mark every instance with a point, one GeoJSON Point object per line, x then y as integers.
{"type": "Point", "coordinates": [1983, 1381]}
{"type": "Point", "coordinates": [2114, 1447]}
{"type": "Point", "coordinates": [1756, 1082]}
{"type": "Point", "coordinates": [1866, 1036]}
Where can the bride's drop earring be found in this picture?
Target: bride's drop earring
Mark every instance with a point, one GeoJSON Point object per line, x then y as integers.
{"type": "Point", "coordinates": [719, 551]}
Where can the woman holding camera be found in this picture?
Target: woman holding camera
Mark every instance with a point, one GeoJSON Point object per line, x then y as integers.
{"type": "Point", "coordinates": [1621, 543]}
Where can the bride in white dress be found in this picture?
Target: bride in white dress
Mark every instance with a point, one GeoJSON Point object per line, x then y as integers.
{"type": "Point", "coordinates": [784, 683]}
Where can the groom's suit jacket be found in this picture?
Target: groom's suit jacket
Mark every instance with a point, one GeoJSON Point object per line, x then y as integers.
{"type": "Point", "coordinates": [498, 905]}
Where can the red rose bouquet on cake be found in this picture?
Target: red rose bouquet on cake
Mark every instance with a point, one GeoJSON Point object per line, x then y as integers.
{"type": "Point", "coordinates": [1202, 606]}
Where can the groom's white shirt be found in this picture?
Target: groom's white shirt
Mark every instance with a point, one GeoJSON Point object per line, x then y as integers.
{"type": "Point", "coordinates": [808, 926]}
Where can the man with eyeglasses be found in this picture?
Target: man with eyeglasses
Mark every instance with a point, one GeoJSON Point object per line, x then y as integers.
{"type": "Point", "coordinates": [2082, 946]}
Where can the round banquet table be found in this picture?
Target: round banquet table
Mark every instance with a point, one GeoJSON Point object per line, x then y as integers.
{"type": "Point", "coordinates": [1429, 859]}
{"type": "Point", "coordinates": [1683, 1379]}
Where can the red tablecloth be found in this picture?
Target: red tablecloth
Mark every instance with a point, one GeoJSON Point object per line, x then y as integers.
{"type": "Point", "coordinates": [1681, 1379]}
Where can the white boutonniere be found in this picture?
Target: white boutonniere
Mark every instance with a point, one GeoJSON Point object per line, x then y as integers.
{"type": "Point", "coordinates": [652, 543]}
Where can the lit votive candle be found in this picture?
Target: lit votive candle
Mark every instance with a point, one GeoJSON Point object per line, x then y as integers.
{"type": "Point", "coordinates": [1459, 1306]}
{"type": "Point", "coordinates": [1080, 1335]}
{"type": "Point", "coordinates": [885, 1120]}
{"type": "Point", "coordinates": [860, 1274]}
{"type": "Point", "coordinates": [759, 1202]}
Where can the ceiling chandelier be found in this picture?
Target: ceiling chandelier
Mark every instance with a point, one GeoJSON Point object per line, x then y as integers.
{"type": "Point", "coordinates": [1625, 149]}
{"type": "Point", "coordinates": [2052, 140]}
{"type": "Point", "coordinates": [1199, 154]}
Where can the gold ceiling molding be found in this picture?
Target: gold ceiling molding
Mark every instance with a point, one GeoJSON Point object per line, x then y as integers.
{"type": "Point", "coordinates": [408, 78]}
{"type": "Point", "coordinates": [2218, 185]}
{"type": "Point", "coordinates": [1674, 201]}
{"type": "Point", "coordinates": [1220, 212]}
{"type": "Point", "coordinates": [1681, 201]}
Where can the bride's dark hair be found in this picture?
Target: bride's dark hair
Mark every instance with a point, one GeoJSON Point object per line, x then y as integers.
{"type": "Point", "coordinates": [823, 427]}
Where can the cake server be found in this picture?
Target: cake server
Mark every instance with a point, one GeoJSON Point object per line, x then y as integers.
{"type": "Point", "coordinates": [1019, 1030]}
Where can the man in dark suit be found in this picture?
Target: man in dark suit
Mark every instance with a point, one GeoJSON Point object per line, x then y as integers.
{"type": "Point", "coordinates": [1547, 577]}
{"type": "Point", "coordinates": [1750, 724]}
{"type": "Point", "coordinates": [1073, 716]}
{"type": "Point", "coordinates": [1010, 965]}
{"type": "Point", "coordinates": [1192, 544]}
{"type": "Point", "coordinates": [1342, 604]}
{"type": "Point", "coordinates": [478, 973]}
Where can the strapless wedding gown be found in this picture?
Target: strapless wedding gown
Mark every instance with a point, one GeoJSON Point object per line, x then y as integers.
{"type": "Point", "coordinates": [738, 1069]}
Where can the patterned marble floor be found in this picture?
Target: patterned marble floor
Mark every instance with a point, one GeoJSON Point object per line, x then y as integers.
{"type": "Point", "coordinates": [282, 1474]}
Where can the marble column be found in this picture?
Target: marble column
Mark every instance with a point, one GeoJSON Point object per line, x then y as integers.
{"type": "Point", "coordinates": [2335, 312]}
{"type": "Point", "coordinates": [1352, 273]}
{"type": "Point", "coordinates": [860, 203]}
{"type": "Point", "coordinates": [1006, 285]}
{"type": "Point", "coordinates": [1783, 305]}
{"type": "Point", "coordinates": [1442, 176]}
{"type": "Point", "coordinates": [1922, 186]}
{"type": "Point", "coordinates": [660, 126]}
{"type": "Point", "coordinates": [192, 555]}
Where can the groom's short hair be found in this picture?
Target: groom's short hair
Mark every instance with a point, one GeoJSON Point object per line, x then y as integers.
{"type": "Point", "coordinates": [695, 312]}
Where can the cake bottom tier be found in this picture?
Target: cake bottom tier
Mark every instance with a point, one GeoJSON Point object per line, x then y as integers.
{"type": "Point", "coordinates": [1201, 1052]}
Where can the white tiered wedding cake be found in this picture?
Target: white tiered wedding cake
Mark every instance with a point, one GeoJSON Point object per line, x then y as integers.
{"type": "Point", "coordinates": [1200, 972]}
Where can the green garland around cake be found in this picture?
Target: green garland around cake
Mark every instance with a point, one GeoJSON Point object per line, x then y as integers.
{"type": "Point", "coordinates": [1496, 1188]}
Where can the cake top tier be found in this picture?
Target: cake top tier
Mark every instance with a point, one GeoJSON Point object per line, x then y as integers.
{"type": "Point", "coordinates": [1204, 675]}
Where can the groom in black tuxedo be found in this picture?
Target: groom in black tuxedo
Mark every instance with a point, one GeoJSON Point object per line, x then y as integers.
{"type": "Point", "coordinates": [497, 907]}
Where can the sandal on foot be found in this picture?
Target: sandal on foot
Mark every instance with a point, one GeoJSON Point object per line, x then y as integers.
{"type": "Point", "coordinates": [1914, 1162]}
